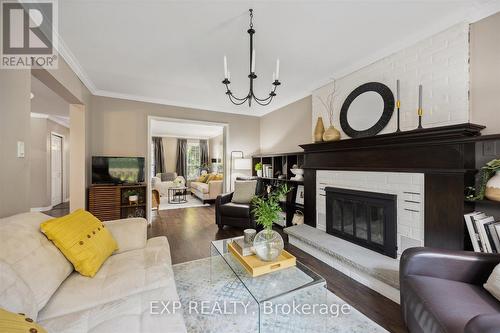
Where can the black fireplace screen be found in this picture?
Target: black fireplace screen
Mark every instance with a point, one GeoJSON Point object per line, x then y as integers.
{"type": "Point", "coordinates": [364, 218]}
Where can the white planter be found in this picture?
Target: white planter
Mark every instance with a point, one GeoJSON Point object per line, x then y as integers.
{"type": "Point", "coordinates": [133, 198]}
{"type": "Point", "coordinates": [259, 173]}
{"type": "Point", "coordinates": [493, 187]}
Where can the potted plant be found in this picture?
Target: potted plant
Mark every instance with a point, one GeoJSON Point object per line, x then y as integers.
{"type": "Point", "coordinates": [258, 169]}
{"type": "Point", "coordinates": [132, 195]}
{"type": "Point", "coordinates": [489, 185]}
{"type": "Point", "coordinates": [268, 243]}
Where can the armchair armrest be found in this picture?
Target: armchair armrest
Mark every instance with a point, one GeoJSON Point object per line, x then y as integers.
{"type": "Point", "coordinates": [489, 323]}
{"type": "Point", "coordinates": [468, 267]}
{"type": "Point", "coordinates": [130, 234]}
{"type": "Point", "coordinates": [223, 198]}
{"type": "Point", "coordinates": [215, 187]}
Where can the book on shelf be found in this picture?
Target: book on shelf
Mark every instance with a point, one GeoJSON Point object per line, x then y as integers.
{"type": "Point", "coordinates": [484, 232]}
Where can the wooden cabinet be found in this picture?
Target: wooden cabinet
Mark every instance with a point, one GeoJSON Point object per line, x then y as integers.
{"type": "Point", "coordinates": [110, 202]}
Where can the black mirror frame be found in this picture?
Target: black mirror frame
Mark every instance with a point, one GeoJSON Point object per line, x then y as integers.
{"type": "Point", "coordinates": [384, 119]}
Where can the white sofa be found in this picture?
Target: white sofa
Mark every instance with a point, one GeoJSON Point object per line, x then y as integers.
{"type": "Point", "coordinates": [162, 186]}
{"type": "Point", "coordinates": [36, 279]}
{"type": "Point", "coordinates": [206, 191]}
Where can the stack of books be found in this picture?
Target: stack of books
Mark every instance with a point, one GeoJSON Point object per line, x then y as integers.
{"type": "Point", "coordinates": [267, 170]}
{"type": "Point", "coordinates": [484, 232]}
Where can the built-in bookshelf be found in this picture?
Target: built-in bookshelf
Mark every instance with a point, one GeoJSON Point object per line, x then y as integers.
{"type": "Point", "coordinates": [280, 164]}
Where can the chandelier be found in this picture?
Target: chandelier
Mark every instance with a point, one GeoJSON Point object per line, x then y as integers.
{"type": "Point", "coordinates": [252, 76]}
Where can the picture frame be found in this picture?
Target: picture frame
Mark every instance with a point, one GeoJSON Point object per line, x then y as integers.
{"type": "Point", "coordinates": [299, 197]}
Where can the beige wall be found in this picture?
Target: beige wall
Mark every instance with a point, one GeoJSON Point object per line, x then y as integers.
{"type": "Point", "coordinates": [283, 130]}
{"type": "Point", "coordinates": [15, 86]}
{"type": "Point", "coordinates": [119, 127]}
{"type": "Point", "coordinates": [170, 151]}
{"type": "Point", "coordinates": [485, 73]}
{"type": "Point", "coordinates": [40, 162]}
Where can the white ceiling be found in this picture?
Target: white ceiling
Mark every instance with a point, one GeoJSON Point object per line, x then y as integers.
{"type": "Point", "coordinates": [184, 130]}
{"type": "Point", "coordinates": [171, 52]}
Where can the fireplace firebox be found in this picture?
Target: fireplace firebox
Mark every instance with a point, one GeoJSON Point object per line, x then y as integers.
{"type": "Point", "coordinates": [365, 218]}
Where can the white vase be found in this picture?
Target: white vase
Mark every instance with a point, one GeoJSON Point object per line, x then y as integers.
{"type": "Point", "coordinates": [493, 187]}
{"type": "Point", "coordinates": [268, 245]}
{"type": "Point", "coordinates": [259, 173]}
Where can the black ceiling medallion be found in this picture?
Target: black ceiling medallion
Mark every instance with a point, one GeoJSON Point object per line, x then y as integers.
{"type": "Point", "coordinates": [388, 108]}
{"type": "Point", "coordinates": [252, 76]}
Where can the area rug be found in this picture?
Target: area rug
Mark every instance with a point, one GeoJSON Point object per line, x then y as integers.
{"type": "Point", "coordinates": [219, 303]}
{"type": "Point", "coordinates": [191, 202]}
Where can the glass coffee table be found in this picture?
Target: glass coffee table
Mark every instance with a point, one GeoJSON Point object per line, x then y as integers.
{"type": "Point", "coordinates": [274, 294]}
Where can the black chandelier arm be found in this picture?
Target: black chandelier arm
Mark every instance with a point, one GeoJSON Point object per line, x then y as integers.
{"type": "Point", "coordinates": [239, 102]}
{"type": "Point", "coordinates": [269, 100]}
{"type": "Point", "coordinates": [271, 95]}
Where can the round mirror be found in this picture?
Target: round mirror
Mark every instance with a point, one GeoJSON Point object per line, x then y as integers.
{"type": "Point", "coordinates": [367, 110]}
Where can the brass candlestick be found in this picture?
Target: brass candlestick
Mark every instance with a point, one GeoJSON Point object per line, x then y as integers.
{"type": "Point", "coordinates": [398, 103]}
{"type": "Point", "coordinates": [420, 113]}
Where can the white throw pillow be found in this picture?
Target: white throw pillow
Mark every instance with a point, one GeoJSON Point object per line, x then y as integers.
{"type": "Point", "coordinates": [244, 191]}
{"type": "Point", "coordinates": [493, 283]}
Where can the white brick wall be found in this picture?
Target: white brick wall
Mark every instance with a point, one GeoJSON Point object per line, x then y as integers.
{"type": "Point", "coordinates": [409, 188]}
{"type": "Point", "coordinates": [440, 64]}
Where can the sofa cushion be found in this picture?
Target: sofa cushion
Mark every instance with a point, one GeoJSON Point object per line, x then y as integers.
{"type": "Point", "coordinates": [39, 267]}
{"type": "Point", "coordinates": [438, 304]}
{"type": "Point", "coordinates": [244, 191]}
{"type": "Point", "coordinates": [167, 176]}
{"type": "Point", "coordinates": [235, 210]}
{"type": "Point", "coordinates": [202, 187]}
{"type": "Point", "coordinates": [493, 283]}
{"type": "Point", "coordinates": [130, 314]}
{"type": "Point", "coordinates": [121, 275]}
{"type": "Point", "coordinates": [83, 240]}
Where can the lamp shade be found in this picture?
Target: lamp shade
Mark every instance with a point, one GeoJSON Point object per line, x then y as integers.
{"type": "Point", "coordinates": [243, 164]}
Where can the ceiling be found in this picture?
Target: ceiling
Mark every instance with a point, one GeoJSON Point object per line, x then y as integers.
{"type": "Point", "coordinates": [171, 52]}
{"type": "Point", "coordinates": [191, 130]}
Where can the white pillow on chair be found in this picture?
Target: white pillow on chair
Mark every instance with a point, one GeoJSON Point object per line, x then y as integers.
{"type": "Point", "coordinates": [244, 191]}
{"type": "Point", "coordinates": [493, 283]}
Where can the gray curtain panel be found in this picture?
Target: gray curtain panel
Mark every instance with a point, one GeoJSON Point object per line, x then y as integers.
{"type": "Point", "coordinates": [204, 152]}
{"type": "Point", "coordinates": [181, 165]}
{"type": "Point", "coordinates": [159, 155]}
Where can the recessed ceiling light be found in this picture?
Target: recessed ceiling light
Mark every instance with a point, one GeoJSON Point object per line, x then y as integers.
{"type": "Point", "coordinates": [32, 95]}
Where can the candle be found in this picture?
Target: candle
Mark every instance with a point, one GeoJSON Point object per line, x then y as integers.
{"type": "Point", "coordinates": [225, 67]}
{"type": "Point", "coordinates": [277, 69]}
{"type": "Point", "coordinates": [229, 75]}
{"type": "Point", "coordinates": [253, 61]}
{"type": "Point", "coordinates": [420, 97]}
{"type": "Point", "coordinates": [397, 89]}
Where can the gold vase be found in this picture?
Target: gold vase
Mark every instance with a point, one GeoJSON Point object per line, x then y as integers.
{"type": "Point", "coordinates": [319, 130]}
{"type": "Point", "coordinates": [331, 134]}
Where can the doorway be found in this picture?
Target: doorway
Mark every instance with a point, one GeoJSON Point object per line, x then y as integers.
{"type": "Point", "coordinates": [56, 162]}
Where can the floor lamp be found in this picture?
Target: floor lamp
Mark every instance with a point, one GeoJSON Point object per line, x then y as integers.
{"type": "Point", "coordinates": [240, 163]}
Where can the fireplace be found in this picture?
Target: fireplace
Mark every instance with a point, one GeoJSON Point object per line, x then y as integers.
{"type": "Point", "coordinates": [365, 218]}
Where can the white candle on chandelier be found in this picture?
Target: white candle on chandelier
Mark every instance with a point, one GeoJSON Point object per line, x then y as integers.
{"type": "Point", "coordinates": [225, 67]}
{"type": "Point", "coordinates": [253, 61]}
{"type": "Point", "coordinates": [277, 69]}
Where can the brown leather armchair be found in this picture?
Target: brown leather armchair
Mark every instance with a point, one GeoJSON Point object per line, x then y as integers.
{"type": "Point", "coordinates": [442, 291]}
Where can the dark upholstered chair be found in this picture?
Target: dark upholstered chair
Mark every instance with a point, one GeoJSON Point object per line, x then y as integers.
{"type": "Point", "coordinates": [442, 291]}
{"type": "Point", "coordinates": [233, 214]}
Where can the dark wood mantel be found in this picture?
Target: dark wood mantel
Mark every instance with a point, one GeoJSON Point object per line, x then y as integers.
{"type": "Point", "coordinates": [445, 155]}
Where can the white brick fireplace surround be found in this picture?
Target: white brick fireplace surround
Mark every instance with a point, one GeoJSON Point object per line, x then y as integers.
{"type": "Point", "coordinates": [370, 268]}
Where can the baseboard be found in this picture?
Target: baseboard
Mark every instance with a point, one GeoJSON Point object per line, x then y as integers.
{"type": "Point", "coordinates": [66, 200]}
{"type": "Point", "coordinates": [41, 209]}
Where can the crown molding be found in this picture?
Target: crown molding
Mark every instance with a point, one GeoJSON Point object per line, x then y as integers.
{"type": "Point", "coordinates": [478, 10]}
{"type": "Point", "coordinates": [57, 119]}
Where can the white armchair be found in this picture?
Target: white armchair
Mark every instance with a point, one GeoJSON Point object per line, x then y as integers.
{"type": "Point", "coordinates": [162, 182]}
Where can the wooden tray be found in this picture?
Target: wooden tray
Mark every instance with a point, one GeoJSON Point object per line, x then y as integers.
{"type": "Point", "coordinates": [256, 267]}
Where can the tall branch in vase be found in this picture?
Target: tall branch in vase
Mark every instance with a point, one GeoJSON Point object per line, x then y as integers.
{"type": "Point", "coordinates": [331, 133]}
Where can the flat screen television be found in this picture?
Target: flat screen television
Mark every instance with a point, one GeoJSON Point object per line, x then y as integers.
{"type": "Point", "coordinates": [117, 170]}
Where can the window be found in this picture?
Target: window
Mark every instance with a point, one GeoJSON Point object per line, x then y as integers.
{"type": "Point", "coordinates": [193, 160]}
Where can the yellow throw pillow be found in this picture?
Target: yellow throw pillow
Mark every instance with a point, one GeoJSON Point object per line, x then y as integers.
{"type": "Point", "coordinates": [18, 323]}
{"type": "Point", "coordinates": [219, 176]}
{"type": "Point", "coordinates": [202, 178]}
{"type": "Point", "coordinates": [83, 240]}
{"type": "Point", "coordinates": [209, 178]}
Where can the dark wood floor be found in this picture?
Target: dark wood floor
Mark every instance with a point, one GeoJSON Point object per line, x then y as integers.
{"type": "Point", "coordinates": [191, 230]}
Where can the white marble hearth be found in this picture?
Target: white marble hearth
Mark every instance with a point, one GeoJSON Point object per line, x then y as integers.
{"type": "Point", "coordinates": [376, 271]}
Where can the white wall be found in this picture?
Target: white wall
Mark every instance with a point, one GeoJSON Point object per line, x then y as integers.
{"type": "Point", "coordinates": [439, 63]}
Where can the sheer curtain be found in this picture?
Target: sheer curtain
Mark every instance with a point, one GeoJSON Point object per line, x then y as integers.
{"type": "Point", "coordinates": [159, 156]}
{"type": "Point", "coordinates": [181, 165]}
{"type": "Point", "coordinates": [204, 152]}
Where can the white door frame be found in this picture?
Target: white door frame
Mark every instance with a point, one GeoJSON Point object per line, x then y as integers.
{"type": "Point", "coordinates": [225, 140]}
{"type": "Point", "coordinates": [63, 173]}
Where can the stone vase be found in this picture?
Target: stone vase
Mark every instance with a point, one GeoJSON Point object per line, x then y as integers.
{"type": "Point", "coordinates": [493, 187]}
{"type": "Point", "coordinates": [319, 130]}
{"type": "Point", "coordinates": [331, 134]}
